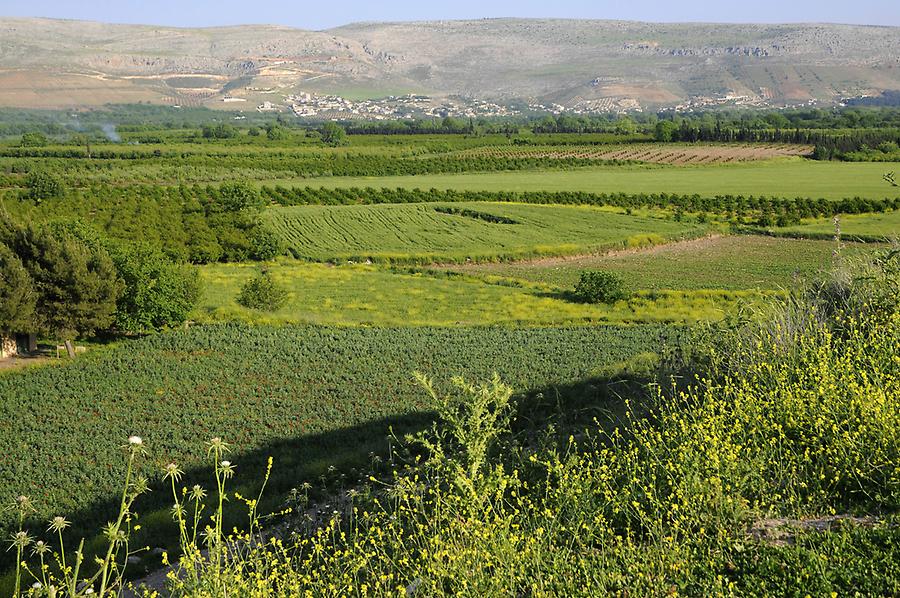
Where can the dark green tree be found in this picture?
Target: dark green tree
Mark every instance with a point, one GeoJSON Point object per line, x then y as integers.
{"type": "Point", "coordinates": [665, 130]}
{"type": "Point", "coordinates": [333, 134]}
{"type": "Point", "coordinates": [18, 297]}
{"type": "Point", "coordinates": [158, 293]}
{"type": "Point", "coordinates": [276, 132]}
{"type": "Point", "coordinates": [76, 282]}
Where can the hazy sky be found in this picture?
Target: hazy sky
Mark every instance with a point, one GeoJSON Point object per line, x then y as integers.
{"type": "Point", "coordinates": [320, 14]}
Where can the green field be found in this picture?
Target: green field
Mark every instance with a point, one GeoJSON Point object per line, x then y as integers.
{"type": "Point", "coordinates": [795, 177]}
{"type": "Point", "coordinates": [726, 262]}
{"type": "Point", "coordinates": [372, 296]}
{"type": "Point", "coordinates": [471, 231]}
{"type": "Point", "coordinates": [309, 397]}
{"type": "Point", "coordinates": [885, 225]}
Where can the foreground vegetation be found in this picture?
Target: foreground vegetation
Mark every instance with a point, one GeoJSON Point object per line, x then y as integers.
{"type": "Point", "coordinates": [770, 468]}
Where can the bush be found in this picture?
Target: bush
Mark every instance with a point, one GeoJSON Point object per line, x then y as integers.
{"type": "Point", "coordinates": [41, 185]}
{"type": "Point", "coordinates": [33, 140]}
{"type": "Point", "coordinates": [597, 286]}
{"type": "Point", "coordinates": [263, 294]}
{"type": "Point", "coordinates": [238, 196]}
{"type": "Point", "coordinates": [265, 244]}
{"type": "Point", "coordinates": [333, 134]}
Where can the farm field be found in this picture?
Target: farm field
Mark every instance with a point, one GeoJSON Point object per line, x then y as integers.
{"type": "Point", "coordinates": [310, 397]}
{"type": "Point", "coordinates": [886, 226]}
{"type": "Point", "coordinates": [655, 153]}
{"type": "Point", "coordinates": [435, 232]}
{"type": "Point", "coordinates": [784, 178]}
{"type": "Point", "coordinates": [720, 262]}
{"type": "Point", "coordinates": [280, 285]}
{"type": "Point", "coordinates": [372, 296]}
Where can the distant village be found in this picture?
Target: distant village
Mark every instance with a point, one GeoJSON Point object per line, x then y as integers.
{"type": "Point", "coordinates": [334, 107]}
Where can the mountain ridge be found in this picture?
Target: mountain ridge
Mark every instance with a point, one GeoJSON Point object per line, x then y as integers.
{"type": "Point", "coordinates": [566, 63]}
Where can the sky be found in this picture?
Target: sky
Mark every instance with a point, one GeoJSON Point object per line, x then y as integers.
{"type": "Point", "coordinates": [308, 14]}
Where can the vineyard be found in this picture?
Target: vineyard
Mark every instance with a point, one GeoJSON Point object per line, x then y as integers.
{"type": "Point", "coordinates": [429, 232]}
{"type": "Point", "coordinates": [655, 153]}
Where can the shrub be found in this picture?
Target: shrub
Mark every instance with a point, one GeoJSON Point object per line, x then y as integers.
{"type": "Point", "coordinates": [598, 286]}
{"type": "Point", "coordinates": [33, 140]}
{"type": "Point", "coordinates": [333, 134]}
{"type": "Point", "coordinates": [41, 185]}
{"type": "Point", "coordinates": [237, 196]}
{"type": "Point", "coordinates": [266, 245]}
{"type": "Point", "coordinates": [262, 293]}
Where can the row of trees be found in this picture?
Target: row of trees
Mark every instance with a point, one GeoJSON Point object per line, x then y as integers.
{"type": "Point", "coordinates": [768, 210]}
{"type": "Point", "coordinates": [66, 281]}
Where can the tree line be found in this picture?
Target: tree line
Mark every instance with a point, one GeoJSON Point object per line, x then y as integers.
{"type": "Point", "coordinates": [65, 280]}
{"type": "Point", "coordinates": [766, 211]}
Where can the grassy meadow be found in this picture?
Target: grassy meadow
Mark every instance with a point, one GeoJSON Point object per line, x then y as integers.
{"type": "Point", "coordinates": [372, 296]}
{"type": "Point", "coordinates": [885, 226]}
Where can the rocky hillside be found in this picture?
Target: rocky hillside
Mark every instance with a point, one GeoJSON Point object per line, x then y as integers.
{"type": "Point", "coordinates": [46, 63]}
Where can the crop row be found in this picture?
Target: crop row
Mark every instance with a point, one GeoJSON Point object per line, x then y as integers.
{"type": "Point", "coordinates": [738, 205]}
{"type": "Point", "coordinates": [299, 394]}
{"type": "Point", "coordinates": [663, 154]}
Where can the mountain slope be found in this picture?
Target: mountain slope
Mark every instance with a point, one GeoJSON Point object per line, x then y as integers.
{"type": "Point", "coordinates": [56, 63]}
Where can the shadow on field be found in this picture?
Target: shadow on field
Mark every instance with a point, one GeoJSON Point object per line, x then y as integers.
{"type": "Point", "coordinates": [334, 461]}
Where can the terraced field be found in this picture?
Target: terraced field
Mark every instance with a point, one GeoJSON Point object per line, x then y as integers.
{"type": "Point", "coordinates": [656, 153]}
{"type": "Point", "coordinates": [458, 232]}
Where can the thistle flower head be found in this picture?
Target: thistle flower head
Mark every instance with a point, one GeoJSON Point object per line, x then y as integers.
{"type": "Point", "coordinates": [40, 548]}
{"type": "Point", "coordinates": [21, 539]}
{"type": "Point", "coordinates": [22, 505]}
{"type": "Point", "coordinates": [172, 472]}
{"type": "Point", "coordinates": [227, 468]}
{"type": "Point", "coordinates": [58, 524]}
{"type": "Point", "coordinates": [217, 446]}
{"type": "Point", "coordinates": [197, 492]}
{"type": "Point", "coordinates": [135, 441]}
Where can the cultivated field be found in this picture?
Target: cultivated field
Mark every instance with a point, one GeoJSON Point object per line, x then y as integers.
{"type": "Point", "coordinates": [434, 232]}
{"type": "Point", "coordinates": [313, 398]}
{"type": "Point", "coordinates": [654, 153]}
{"type": "Point", "coordinates": [791, 178]}
{"type": "Point", "coordinates": [718, 262]}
